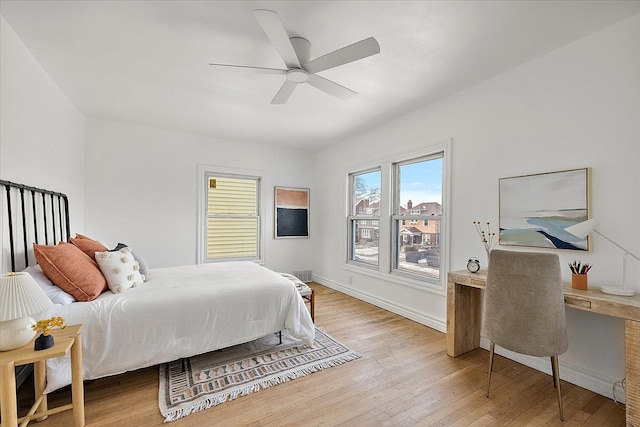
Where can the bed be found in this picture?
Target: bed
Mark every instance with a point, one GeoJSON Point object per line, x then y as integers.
{"type": "Point", "coordinates": [177, 312]}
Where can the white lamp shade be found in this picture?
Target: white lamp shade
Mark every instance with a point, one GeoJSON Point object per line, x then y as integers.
{"type": "Point", "coordinates": [582, 229]}
{"type": "Point", "coordinates": [20, 296]}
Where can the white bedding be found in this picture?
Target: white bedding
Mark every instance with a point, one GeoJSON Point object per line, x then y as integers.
{"type": "Point", "coordinates": [180, 312]}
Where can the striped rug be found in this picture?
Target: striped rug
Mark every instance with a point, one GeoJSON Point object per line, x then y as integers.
{"type": "Point", "coordinates": [200, 382]}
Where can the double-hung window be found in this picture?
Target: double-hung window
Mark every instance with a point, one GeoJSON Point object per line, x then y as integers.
{"type": "Point", "coordinates": [417, 217]}
{"type": "Point", "coordinates": [364, 188]}
{"type": "Point", "coordinates": [397, 218]}
{"type": "Point", "coordinates": [232, 217]}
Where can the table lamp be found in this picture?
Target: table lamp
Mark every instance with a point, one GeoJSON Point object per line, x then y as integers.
{"type": "Point", "coordinates": [20, 297]}
{"type": "Point", "coordinates": [581, 230]}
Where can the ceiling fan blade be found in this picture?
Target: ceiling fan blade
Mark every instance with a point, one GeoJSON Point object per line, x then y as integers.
{"type": "Point", "coordinates": [353, 52]}
{"type": "Point", "coordinates": [284, 93]}
{"type": "Point", "coordinates": [330, 87]}
{"type": "Point", "coordinates": [263, 69]}
{"type": "Point", "coordinates": [273, 28]}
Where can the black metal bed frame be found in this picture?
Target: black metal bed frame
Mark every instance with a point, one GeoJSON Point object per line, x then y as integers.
{"type": "Point", "coordinates": [49, 225]}
{"type": "Point", "coordinates": [56, 225]}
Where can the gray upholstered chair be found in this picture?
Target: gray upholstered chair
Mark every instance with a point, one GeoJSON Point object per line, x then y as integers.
{"type": "Point", "coordinates": [524, 308]}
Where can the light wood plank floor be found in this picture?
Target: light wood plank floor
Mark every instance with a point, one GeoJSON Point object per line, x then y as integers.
{"type": "Point", "coordinates": [404, 378]}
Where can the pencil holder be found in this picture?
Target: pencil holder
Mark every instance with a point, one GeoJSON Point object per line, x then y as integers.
{"type": "Point", "coordinates": [579, 281]}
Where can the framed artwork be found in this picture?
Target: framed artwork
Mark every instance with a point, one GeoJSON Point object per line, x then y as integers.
{"type": "Point", "coordinates": [291, 212]}
{"type": "Point", "coordinates": [536, 209]}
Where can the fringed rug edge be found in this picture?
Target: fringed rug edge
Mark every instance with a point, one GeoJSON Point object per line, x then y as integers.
{"type": "Point", "coordinates": [183, 410]}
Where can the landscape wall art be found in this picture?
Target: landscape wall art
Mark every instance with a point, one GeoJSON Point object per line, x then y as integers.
{"type": "Point", "coordinates": [536, 209]}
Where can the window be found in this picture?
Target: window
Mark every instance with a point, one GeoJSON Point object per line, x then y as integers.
{"type": "Point", "coordinates": [401, 201]}
{"type": "Point", "coordinates": [364, 206]}
{"type": "Point", "coordinates": [416, 250]}
{"type": "Point", "coordinates": [232, 217]}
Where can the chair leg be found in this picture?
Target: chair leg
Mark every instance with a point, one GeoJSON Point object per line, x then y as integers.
{"type": "Point", "coordinates": [556, 383]}
{"type": "Point", "coordinates": [491, 352]}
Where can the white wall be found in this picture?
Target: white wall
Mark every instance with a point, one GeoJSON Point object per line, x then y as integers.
{"type": "Point", "coordinates": [578, 106]}
{"type": "Point", "coordinates": [142, 182]}
{"type": "Point", "coordinates": [41, 131]}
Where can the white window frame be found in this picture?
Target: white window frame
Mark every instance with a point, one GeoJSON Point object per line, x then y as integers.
{"type": "Point", "coordinates": [386, 244]}
{"type": "Point", "coordinates": [398, 219]}
{"type": "Point", "coordinates": [203, 172]}
{"type": "Point", "coordinates": [354, 218]}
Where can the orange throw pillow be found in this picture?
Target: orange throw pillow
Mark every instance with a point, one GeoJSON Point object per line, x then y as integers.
{"type": "Point", "coordinates": [71, 270]}
{"type": "Point", "coordinates": [87, 245]}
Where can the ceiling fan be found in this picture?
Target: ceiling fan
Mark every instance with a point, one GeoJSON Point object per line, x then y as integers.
{"type": "Point", "coordinates": [295, 52]}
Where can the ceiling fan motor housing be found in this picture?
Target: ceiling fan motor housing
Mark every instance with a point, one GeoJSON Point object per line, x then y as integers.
{"type": "Point", "coordinates": [297, 75]}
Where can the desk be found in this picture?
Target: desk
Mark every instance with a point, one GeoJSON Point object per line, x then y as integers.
{"type": "Point", "coordinates": [66, 340]}
{"type": "Point", "coordinates": [464, 320]}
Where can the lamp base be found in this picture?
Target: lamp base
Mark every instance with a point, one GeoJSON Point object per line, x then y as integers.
{"type": "Point", "coordinates": [16, 333]}
{"type": "Point", "coordinates": [617, 291]}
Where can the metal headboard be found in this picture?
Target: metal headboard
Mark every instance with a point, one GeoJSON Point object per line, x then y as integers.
{"type": "Point", "coordinates": [42, 218]}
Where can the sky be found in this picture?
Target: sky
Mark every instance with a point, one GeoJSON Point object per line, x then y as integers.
{"type": "Point", "coordinates": [419, 182]}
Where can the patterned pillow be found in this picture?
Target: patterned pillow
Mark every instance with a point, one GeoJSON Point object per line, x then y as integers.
{"type": "Point", "coordinates": [143, 265]}
{"type": "Point", "coordinates": [120, 269]}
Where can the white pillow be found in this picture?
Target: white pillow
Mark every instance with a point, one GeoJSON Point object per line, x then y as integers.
{"type": "Point", "coordinates": [120, 269]}
{"type": "Point", "coordinates": [55, 294]}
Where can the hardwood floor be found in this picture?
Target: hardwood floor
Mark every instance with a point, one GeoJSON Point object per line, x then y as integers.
{"type": "Point", "coordinates": [404, 378]}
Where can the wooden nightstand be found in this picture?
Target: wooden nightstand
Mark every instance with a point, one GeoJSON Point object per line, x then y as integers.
{"type": "Point", "coordinates": [66, 340]}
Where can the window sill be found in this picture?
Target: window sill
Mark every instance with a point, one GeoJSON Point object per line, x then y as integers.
{"type": "Point", "coordinates": [437, 289]}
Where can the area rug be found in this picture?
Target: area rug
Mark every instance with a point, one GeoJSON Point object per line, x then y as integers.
{"type": "Point", "coordinates": [200, 382]}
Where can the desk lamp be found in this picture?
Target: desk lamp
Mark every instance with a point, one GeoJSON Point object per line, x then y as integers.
{"type": "Point", "coordinates": [581, 230]}
{"type": "Point", "coordinates": [20, 297]}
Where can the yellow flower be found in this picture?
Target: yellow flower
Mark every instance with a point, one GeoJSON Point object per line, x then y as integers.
{"type": "Point", "coordinates": [44, 326]}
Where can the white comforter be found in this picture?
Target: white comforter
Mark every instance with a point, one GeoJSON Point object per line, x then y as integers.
{"type": "Point", "coordinates": [180, 312]}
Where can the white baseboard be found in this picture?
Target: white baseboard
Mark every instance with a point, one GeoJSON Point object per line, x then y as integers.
{"type": "Point", "coordinates": [573, 374]}
{"type": "Point", "coordinates": [432, 322]}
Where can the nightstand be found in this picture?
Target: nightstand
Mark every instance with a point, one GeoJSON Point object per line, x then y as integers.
{"type": "Point", "coordinates": [66, 340]}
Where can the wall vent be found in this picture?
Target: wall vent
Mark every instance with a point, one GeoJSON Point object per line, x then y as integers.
{"type": "Point", "coordinates": [304, 275]}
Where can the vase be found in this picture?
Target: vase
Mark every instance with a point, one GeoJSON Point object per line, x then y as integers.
{"type": "Point", "coordinates": [488, 258]}
{"type": "Point", "coordinates": [43, 342]}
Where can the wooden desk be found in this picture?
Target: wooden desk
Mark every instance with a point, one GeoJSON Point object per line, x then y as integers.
{"type": "Point", "coordinates": [464, 320]}
{"type": "Point", "coordinates": [66, 340]}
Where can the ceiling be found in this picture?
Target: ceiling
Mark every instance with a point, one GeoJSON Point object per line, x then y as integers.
{"type": "Point", "coordinates": [147, 62]}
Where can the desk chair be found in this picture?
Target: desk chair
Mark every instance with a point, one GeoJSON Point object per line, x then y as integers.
{"type": "Point", "coordinates": [524, 308]}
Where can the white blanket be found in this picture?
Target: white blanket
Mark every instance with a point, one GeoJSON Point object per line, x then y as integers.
{"type": "Point", "coordinates": [180, 312]}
